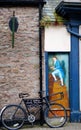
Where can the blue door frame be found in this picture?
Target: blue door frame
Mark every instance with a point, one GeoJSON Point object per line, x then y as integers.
{"type": "Point", "coordinates": [75, 114]}
{"type": "Point", "coordinates": [74, 77]}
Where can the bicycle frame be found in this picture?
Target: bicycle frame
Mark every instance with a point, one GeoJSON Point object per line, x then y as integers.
{"type": "Point", "coordinates": [37, 102]}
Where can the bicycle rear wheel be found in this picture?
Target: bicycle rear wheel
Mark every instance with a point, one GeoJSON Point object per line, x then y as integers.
{"type": "Point", "coordinates": [55, 115]}
{"type": "Point", "coordinates": [12, 117]}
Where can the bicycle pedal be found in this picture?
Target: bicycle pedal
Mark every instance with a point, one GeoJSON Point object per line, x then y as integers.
{"type": "Point", "coordinates": [15, 125]}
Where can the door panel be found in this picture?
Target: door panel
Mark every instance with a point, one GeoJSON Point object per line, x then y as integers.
{"type": "Point", "coordinates": [58, 77]}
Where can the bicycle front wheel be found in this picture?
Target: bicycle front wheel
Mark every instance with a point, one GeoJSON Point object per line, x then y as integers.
{"type": "Point", "coordinates": [12, 117]}
{"type": "Point", "coordinates": [55, 115]}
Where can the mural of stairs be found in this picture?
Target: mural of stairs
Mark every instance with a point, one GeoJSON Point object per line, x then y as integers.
{"type": "Point", "coordinates": [55, 87]}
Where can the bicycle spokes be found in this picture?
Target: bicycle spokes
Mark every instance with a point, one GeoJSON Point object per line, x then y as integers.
{"type": "Point", "coordinates": [55, 115]}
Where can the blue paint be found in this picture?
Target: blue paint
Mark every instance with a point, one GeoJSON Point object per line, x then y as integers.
{"type": "Point", "coordinates": [74, 76]}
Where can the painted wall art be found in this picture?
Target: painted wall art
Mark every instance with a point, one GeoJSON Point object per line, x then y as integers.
{"type": "Point", "coordinates": [58, 77]}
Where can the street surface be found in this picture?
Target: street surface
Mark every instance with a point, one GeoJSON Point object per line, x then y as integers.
{"type": "Point", "coordinates": [67, 126]}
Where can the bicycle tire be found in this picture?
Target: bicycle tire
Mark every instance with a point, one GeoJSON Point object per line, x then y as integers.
{"type": "Point", "coordinates": [55, 115]}
{"type": "Point", "coordinates": [13, 117]}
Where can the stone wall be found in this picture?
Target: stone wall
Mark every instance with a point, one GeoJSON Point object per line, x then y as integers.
{"type": "Point", "coordinates": [19, 66]}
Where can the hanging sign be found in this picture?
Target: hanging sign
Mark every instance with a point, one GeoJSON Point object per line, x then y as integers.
{"type": "Point", "coordinates": [13, 24]}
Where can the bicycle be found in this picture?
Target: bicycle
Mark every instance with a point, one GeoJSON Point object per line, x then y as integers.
{"type": "Point", "coordinates": [14, 116]}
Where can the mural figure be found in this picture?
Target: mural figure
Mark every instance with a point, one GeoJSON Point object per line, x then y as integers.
{"type": "Point", "coordinates": [57, 70]}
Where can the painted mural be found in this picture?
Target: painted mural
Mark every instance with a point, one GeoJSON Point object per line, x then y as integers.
{"type": "Point", "coordinates": [58, 64]}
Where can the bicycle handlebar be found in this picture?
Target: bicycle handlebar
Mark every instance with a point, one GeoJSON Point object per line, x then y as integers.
{"type": "Point", "coordinates": [25, 95]}
{"type": "Point", "coordinates": [58, 96]}
{"type": "Point", "coordinates": [61, 93]}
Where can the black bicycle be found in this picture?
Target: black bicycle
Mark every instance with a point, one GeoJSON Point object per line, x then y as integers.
{"type": "Point", "coordinates": [13, 116]}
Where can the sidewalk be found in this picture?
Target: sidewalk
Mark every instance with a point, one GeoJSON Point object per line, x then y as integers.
{"type": "Point", "coordinates": [67, 126]}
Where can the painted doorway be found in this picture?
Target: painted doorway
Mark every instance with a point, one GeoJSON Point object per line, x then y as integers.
{"type": "Point", "coordinates": [58, 76]}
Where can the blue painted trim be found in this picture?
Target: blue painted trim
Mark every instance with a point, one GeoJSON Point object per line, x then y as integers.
{"type": "Point", "coordinates": [46, 70]}
{"type": "Point", "coordinates": [72, 32]}
{"type": "Point", "coordinates": [74, 75]}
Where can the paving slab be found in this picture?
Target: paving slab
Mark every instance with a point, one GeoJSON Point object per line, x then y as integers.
{"type": "Point", "coordinates": [67, 126]}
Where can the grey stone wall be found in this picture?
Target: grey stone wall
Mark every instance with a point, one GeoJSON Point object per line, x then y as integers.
{"type": "Point", "coordinates": [19, 66]}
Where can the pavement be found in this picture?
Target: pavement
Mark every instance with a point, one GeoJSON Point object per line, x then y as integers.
{"type": "Point", "coordinates": [67, 126]}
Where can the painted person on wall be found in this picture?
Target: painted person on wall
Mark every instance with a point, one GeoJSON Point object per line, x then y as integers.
{"type": "Point", "coordinates": [57, 70]}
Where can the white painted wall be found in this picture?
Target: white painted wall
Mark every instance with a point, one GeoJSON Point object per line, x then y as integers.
{"type": "Point", "coordinates": [57, 39]}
